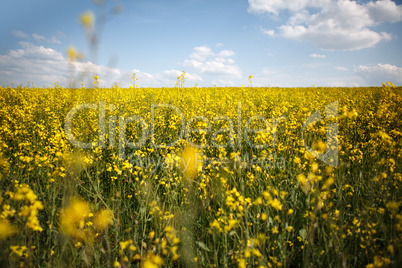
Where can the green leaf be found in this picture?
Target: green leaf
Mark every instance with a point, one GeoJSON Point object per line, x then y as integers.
{"type": "Point", "coordinates": [202, 245]}
{"type": "Point", "coordinates": [303, 233]}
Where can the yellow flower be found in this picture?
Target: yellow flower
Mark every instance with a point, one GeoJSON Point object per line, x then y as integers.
{"type": "Point", "coordinates": [393, 206]}
{"type": "Point", "coordinates": [391, 249]}
{"type": "Point", "coordinates": [314, 167]}
{"type": "Point", "coordinates": [276, 204]}
{"type": "Point", "coordinates": [289, 228]}
{"type": "Point", "coordinates": [152, 234]}
{"type": "Point", "coordinates": [124, 244]}
{"type": "Point", "coordinates": [152, 261]}
{"type": "Point", "coordinates": [19, 250]}
{"type": "Point", "coordinates": [176, 241]}
{"type": "Point", "coordinates": [72, 218]}
{"type": "Point", "coordinates": [328, 183]}
{"type": "Point", "coordinates": [256, 252]}
{"type": "Point", "coordinates": [103, 219]}
{"type": "Point", "coordinates": [31, 212]}
{"type": "Point", "coordinates": [231, 224]}
{"type": "Point", "coordinates": [305, 183]}
{"type": "Point", "coordinates": [87, 19]}
{"type": "Point", "coordinates": [71, 53]}
{"type": "Point", "coordinates": [174, 252]}
{"type": "Point", "coordinates": [189, 162]}
{"type": "Point", "coordinates": [320, 204]}
{"type": "Point", "coordinates": [242, 263]}
{"type": "Point", "coordinates": [6, 229]}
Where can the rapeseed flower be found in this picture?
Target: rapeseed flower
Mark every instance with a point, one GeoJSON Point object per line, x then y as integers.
{"type": "Point", "coordinates": [87, 19]}
{"type": "Point", "coordinates": [6, 229]}
{"type": "Point", "coordinates": [103, 219]}
{"type": "Point", "coordinates": [72, 218]}
{"type": "Point", "coordinates": [189, 165]}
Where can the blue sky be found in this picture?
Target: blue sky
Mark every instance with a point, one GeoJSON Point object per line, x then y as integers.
{"type": "Point", "coordinates": [280, 42]}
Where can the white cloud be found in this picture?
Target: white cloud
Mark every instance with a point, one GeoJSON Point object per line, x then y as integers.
{"type": "Point", "coordinates": [20, 34]}
{"type": "Point", "coordinates": [60, 33]}
{"type": "Point", "coordinates": [44, 66]}
{"type": "Point", "coordinates": [172, 73]}
{"type": "Point", "coordinates": [38, 37]}
{"type": "Point", "coordinates": [343, 84]}
{"type": "Point", "coordinates": [201, 53]}
{"type": "Point", "coordinates": [333, 24]}
{"type": "Point", "coordinates": [222, 83]}
{"type": "Point", "coordinates": [268, 32]}
{"type": "Point", "coordinates": [341, 68]}
{"type": "Point", "coordinates": [219, 45]}
{"type": "Point", "coordinates": [376, 74]}
{"type": "Point", "coordinates": [167, 78]}
{"type": "Point", "coordinates": [54, 40]}
{"type": "Point", "coordinates": [220, 59]}
{"type": "Point", "coordinates": [189, 77]}
{"type": "Point", "coordinates": [274, 6]}
{"type": "Point", "coordinates": [225, 53]}
{"type": "Point", "coordinates": [213, 67]}
{"type": "Point", "coordinates": [384, 10]}
{"type": "Point", "coordinates": [204, 60]}
{"type": "Point", "coordinates": [146, 79]}
{"type": "Point", "coordinates": [317, 56]}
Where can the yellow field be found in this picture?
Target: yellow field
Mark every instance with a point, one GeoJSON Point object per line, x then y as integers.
{"type": "Point", "coordinates": [207, 177]}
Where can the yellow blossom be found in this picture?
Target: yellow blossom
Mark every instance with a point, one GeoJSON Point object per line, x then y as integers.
{"type": "Point", "coordinates": [6, 229]}
{"type": "Point", "coordinates": [189, 162]}
{"type": "Point", "coordinates": [72, 218]}
{"type": "Point", "coordinates": [87, 19]}
{"type": "Point", "coordinates": [103, 219]}
{"type": "Point", "coordinates": [289, 228]}
{"type": "Point", "coordinates": [71, 53]}
{"type": "Point", "coordinates": [124, 244]}
{"type": "Point", "coordinates": [152, 261]}
{"type": "Point", "coordinates": [276, 204]}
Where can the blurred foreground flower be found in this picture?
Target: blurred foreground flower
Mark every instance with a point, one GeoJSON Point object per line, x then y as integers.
{"type": "Point", "coordinates": [6, 229]}
{"type": "Point", "coordinates": [103, 219]}
{"type": "Point", "coordinates": [189, 162]}
{"type": "Point", "coordinates": [152, 261]}
{"type": "Point", "coordinates": [306, 184]}
{"type": "Point", "coordinates": [76, 220]}
{"type": "Point", "coordinates": [87, 19]}
{"type": "Point", "coordinates": [72, 219]}
{"type": "Point", "coordinates": [71, 53]}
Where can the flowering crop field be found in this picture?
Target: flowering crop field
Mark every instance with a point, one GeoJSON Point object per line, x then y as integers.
{"type": "Point", "coordinates": [201, 177]}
